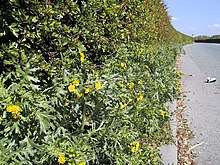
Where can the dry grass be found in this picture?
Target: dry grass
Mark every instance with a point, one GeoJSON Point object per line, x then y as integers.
{"type": "Point", "coordinates": [184, 134]}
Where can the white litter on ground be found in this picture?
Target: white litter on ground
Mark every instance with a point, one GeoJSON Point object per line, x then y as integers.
{"type": "Point", "coordinates": [210, 80]}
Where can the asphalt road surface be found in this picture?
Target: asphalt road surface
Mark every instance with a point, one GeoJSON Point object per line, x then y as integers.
{"type": "Point", "coordinates": [203, 99]}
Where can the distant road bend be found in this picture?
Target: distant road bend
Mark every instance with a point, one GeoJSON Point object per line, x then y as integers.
{"type": "Point", "coordinates": [203, 99]}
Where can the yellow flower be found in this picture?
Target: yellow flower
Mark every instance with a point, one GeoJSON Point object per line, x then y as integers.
{"type": "Point", "coordinates": [147, 67]}
{"type": "Point", "coordinates": [61, 159]}
{"type": "Point", "coordinates": [79, 95]}
{"type": "Point", "coordinates": [134, 146]}
{"type": "Point", "coordinates": [75, 91]}
{"type": "Point", "coordinates": [87, 90]}
{"type": "Point", "coordinates": [76, 82]}
{"type": "Point", "coordinates": [162, 113]}
{"type": "Point", "coordinates": [98, 85]}
{"type": "Point", "coordinates": [179, 74]}
{"type": "Point", "coordinates": [82, 56]}
{"type": "Point", "coordinates": [140, 97]}
{"type": "Point", "coordinates": [15, 111]}
{"type": "Point", "coordinates": [9, 108]}
{"type": "Point", "coordinates": [16, 115]}
{"type": "Point", "coordinates": [82, 163]}
{"type": "Point", "coordinates": [137, 145]}
{"type": "Point", "coordinates": [178, 86]}
{"type": "Point", "coordinates": [122, 85]}
{"type": "Point", "coordinates": [15, 108]}
{"type": "Point", "coordinates": [122, 106]}
{"type": "Point", "coordinates": [123, 65]}
{"type": "Point", "coordinates": [140, 82]}
{"type": "Point", "coordinates": [130, 85]}
{"type": "Point", "coordinates": [71, 88]}
{"type": "Point", "coordinates": [133, 149]}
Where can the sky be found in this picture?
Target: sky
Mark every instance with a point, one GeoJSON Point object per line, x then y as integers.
{"type": "Point", "coordinates": [195, 17]}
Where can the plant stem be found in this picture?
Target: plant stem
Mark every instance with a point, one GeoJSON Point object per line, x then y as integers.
{"type": "Point", "coordinates": [83, 115]}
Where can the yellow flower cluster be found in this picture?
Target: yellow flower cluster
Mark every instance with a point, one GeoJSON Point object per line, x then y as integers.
{"type": "Point", "coordinates": [98, 85]}
{"type": "Point", "coordinates": [134, 146]}
{"type": "Point", "coordinates": [87, 90]}
{"type": "Point", "coordinates": [82, 163]}
{"type": "Point", "coordinates": [162, 113]}
{"type": "Point", "coordinates": [123, 65]}
{"type": "Point", "coordinates": [61, 159]}
{"type": "Point", "coordinates": [179, 74]}
{"type": "Point", "coordinates": [15, 110]}
{"type": "Point", "coordinates": [178, 86]}
{"type": "Point", "coordinates": [79, 95]}
{"type": "Point", "coordinates": [81, 56]}
{"type": "Point", "coordinates": [121, 85]}
{"type": "Point", "coordinates": [76, 82]}
{"type": "Point", "coordinates": [140, 82]}
{"type": "Point", "coordinates": [72, 88]}
{"type": "Point", "coordinates": [122, 106]}
{"type": "Point", "coordinates": [130, 85]}
{"type": "Point", "coordinates": [139, 97]}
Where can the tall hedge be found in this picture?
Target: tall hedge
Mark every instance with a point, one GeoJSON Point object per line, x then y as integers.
{"type": "Point", "coordinates": [85, 82]}
{"type": "Point", "coordinates": [49, 29]}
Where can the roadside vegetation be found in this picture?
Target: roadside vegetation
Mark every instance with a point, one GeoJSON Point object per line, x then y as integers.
{"type": "Point", "coordinates": [86, 82]}
{"type": "Point", "coordinates": [207, 39]}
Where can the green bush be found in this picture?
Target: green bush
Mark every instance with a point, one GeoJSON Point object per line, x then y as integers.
{"type": "Point", "coordinates": [85, 82]}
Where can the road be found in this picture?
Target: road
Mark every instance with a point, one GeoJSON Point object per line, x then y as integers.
{"type": "Point", "coordinates": [203, 99]}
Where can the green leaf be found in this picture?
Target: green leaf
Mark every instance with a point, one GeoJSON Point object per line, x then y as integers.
{"type": "Point", "coordinates": [14, 30]}
{"type": "Point", "coordinates": [31, 78]}
{"type": "Point", "coordinates": [43, 120]}
{"type": "Point", "coordinates": [34, 19]}
{"type": "Point", "coordinates": [2, 34]}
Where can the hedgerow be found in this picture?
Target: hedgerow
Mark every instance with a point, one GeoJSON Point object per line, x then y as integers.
{"type": "Point", "coordinates": [86, 82]}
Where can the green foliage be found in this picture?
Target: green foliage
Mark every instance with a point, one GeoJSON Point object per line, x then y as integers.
{"type": "Point", "coordinates": [102, 122]}
{"type": "Point", "coordinates": [201, 37]}
{"type": "Point", "coordinates": [215, 37]}
{"type": "Point", "coordinates": [85, 81]}
{"type": "Point", "coordinates": [207, 39]}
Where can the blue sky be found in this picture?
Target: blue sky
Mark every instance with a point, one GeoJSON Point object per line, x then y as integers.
{"type": "Point", "coordinates": [198, 17]}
